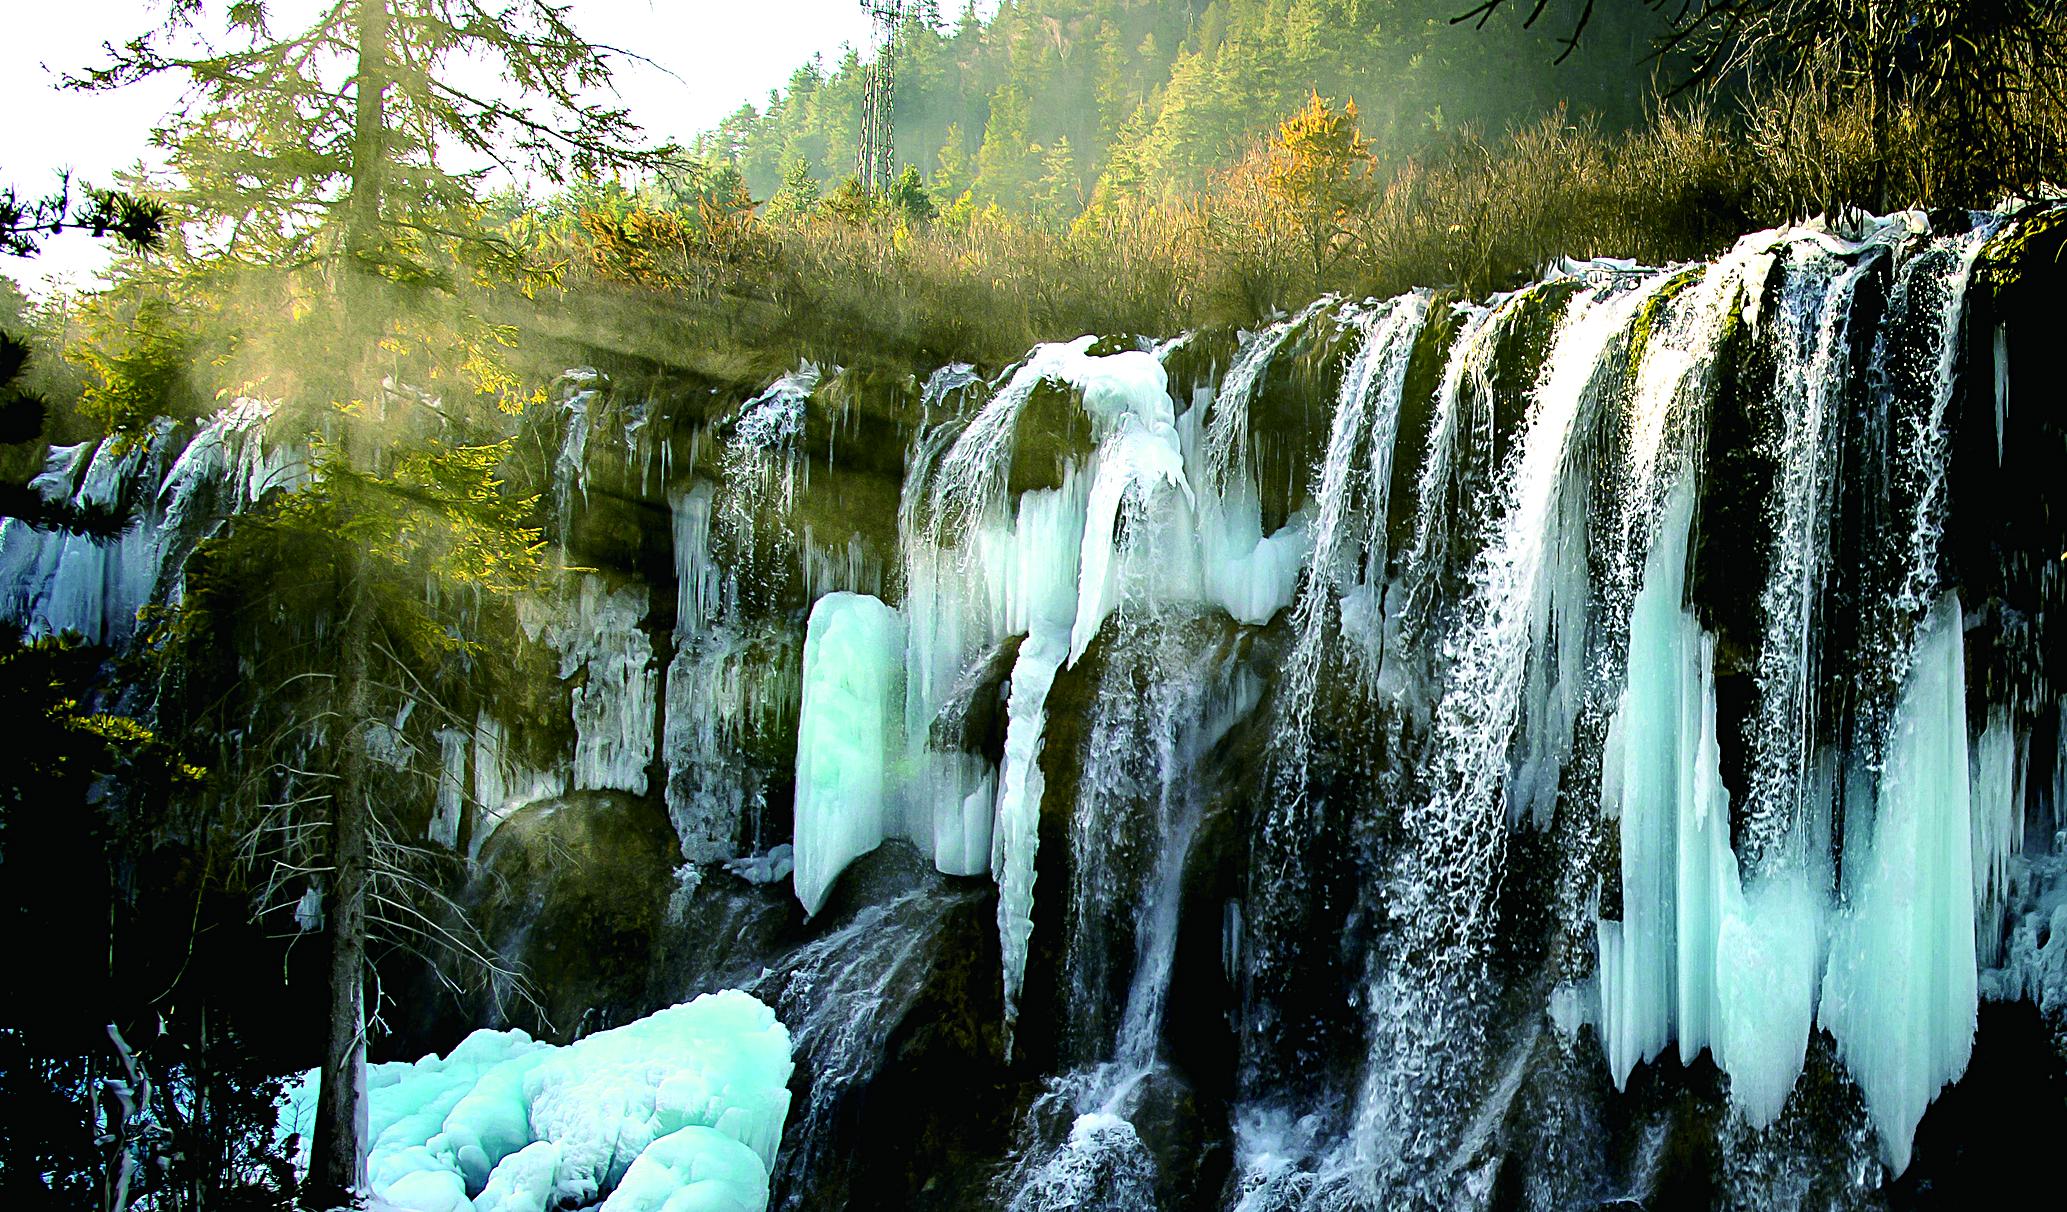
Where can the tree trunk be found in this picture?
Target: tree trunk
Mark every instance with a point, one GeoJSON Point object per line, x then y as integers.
{"type": "Point", "coordinates": [337, 1170]}
{"type": "Point", "coordinates": [369, 138]}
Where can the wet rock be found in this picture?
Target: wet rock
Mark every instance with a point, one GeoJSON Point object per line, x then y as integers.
{"type": "Point", "coordinates": [972, 720]}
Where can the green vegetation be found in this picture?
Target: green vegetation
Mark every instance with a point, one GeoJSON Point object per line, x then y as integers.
{"type": "Point", "coordinates": [1050, 105]}
{"type": "Point", "coordinates": [26, 223]}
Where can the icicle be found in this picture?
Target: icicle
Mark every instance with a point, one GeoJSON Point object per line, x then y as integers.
{"type": "Point", "coordinates": [2001, 350]}
{"type": "Point", "coordinates": [596, 632]}
{"type": "Point", "coordinates": [452, 782]}
{"type": "Point", "coordinates": [1044, 603]}
{"type": "Point", "coordinates": [1661, 781]}
{"type": "Point", "coordinates": [1694, 958]}
{"type": "Point", "coordinates": [847, 737]}
{"type": "Point", "coordinates": [699, 582]}
{"type": "Point", "coordinates": [501, 785]}
{"type": "Point", "coordinates": [1900, 995]}
{"type": "Point", "coordinates": [1017, 837]}
{"type": "Point", "coordinates": [1998, 812]}
{"type": "Point", "coordinates": [1134, 465]}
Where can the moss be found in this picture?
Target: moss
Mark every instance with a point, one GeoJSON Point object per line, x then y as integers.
{"type": "Point", "coordinates": [1293, 410]}
{"type": "Point", "coordinates": [1196, 363]}
{"type": "Point", "coordinates": [1738, 469]}
{"type": "Point", "coordinates": [1417, 413]}
{"type": "Point", "coordinates": [1119, 342]}
{"type": "Point", "coordinates": [2024, 260]}
{"type": "Point", "coordinates": [1529, 327]}
{"type": "Point", "coordinates": [1654, 308]}
{"type": "Point", "coordinates": [2004, 547]}
{"type": "Point", "coordinates": [862, 421]}
{"type": "Point", "coordinates": [1052, 432]}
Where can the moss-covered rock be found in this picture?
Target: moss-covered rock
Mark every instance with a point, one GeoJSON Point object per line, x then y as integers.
{"type": "Point", "coordinates": [573, 894]}
{"type": "Point", "coordinates": [972, 719]}
{"type": "Point", "coordinates": [1293, 409]}
{"type": "Point", "coordinates": [1052, 432]}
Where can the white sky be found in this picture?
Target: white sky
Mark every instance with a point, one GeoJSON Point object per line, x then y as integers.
{"type": "Point", "coordinates": [720, 54]}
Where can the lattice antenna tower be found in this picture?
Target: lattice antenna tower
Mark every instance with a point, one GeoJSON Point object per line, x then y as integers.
{"type": "Point", "coordinates": [879, 91]}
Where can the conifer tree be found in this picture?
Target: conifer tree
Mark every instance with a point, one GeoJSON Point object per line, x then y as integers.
{"type": "Point", "coordinates": [1005, 160]}
{"type": "Point", "coordinates": [799, 194]}
{"type": "Point", "coordinates": [324, 184]}
{"type": "Point", "coordinates": [1059, 196]}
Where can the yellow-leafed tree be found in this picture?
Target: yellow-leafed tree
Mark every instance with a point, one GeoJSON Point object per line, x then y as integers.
{"type": "Point", "coordinates": [1317, 174]}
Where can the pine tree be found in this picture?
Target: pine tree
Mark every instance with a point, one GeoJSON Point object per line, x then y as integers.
{"type": "Point", "coordinates": [798, 196]}
{"type": "Point", "coordinates": [909, 199]}
{"type": "Point", "coordinates": [1059, 196]}
{"type": "Point", "coordinates": [1005, 160]}
{"type": "Point", "coordinates": [319, 211]}
{"type": "Point", "coordinates": [1125, 179]}
{"type": "Point", "coordinates": [952, 174]}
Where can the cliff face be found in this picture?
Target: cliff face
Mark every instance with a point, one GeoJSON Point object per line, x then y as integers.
{"type": "Point", "coordinates": [1601, 742]}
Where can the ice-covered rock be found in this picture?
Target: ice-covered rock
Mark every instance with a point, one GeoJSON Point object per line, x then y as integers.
{"type": "Point", "coordinates": [505, 1123]}
{"type": "Point", "coordinates": [609, 663]}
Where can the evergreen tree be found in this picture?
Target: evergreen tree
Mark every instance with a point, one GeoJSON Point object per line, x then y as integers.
{"type": "Point", "coordinates": [798, 196]}
{"type": "Point", "coordinates": [1212, 75]}
{"type": "Point", "coordinates": [952, 175]}
{"type": "Point", "coordinates": [909, 199]}
{"type": "Point", "coordinates": [1005, 160]}
{"type": "Point", "coordinates": [26, 223]}
{"type": "Point", "coordinates": [321, 213]}
{"type": "Point", "coordinates": [1059, 195]}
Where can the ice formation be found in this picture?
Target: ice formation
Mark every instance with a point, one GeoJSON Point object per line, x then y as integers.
{"type": "Point", "coordinates": [608, 661]}
{"type": "Point", "coordinates": [1900, 994]}
{"type": "Point", "coordinates": [174, 486]}
{"type": "Point", "coordinates": [847, 738]}
{"type": "Point", "coordinates": [680, 1111]}
{"type": "Point", "coordinates": [1530, 631]}
{"type": "Point", "coordinates": [1661, 778]}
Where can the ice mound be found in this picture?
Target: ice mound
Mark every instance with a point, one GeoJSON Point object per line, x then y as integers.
{"type": "Point", "coordinates": [681, 1110]}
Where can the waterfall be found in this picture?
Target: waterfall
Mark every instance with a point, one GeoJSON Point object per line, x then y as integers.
{"type": "Point", "coordinates": [1425, 1005]}
{"type": "Point", "coordinates": [1169, 689]}
{"type": "Point", "coordinates": [842, 995]}
{"type": "Point", "coordinates": [1351, 502]}
{"type": "Point", "coordinates": [1814, 374]}
{"type": "Point", "coordinates": [1385, 769]}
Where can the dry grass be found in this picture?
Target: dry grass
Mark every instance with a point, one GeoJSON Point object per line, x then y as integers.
{"type": "Point", "coordinates": [742, 294]}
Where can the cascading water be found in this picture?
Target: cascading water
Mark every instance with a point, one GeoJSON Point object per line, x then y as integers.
{"type": "Point", "coordinates": [1428, 998]}
{"type": "Point", "coordinates": [843, 995]}
{"type": "Point", "coordinates": [1593, 743]}
{"type": "Point", "coordinates": [1168, 690]}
